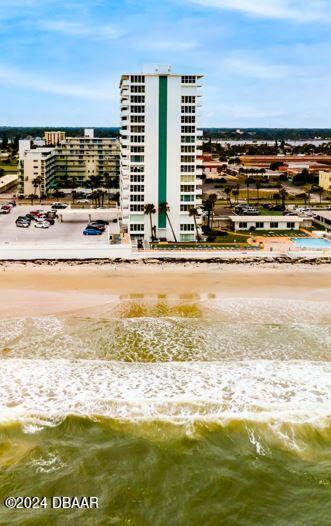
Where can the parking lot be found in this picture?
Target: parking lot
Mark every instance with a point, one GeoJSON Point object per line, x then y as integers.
{"type": "Point", "coordinates": [66, 233]}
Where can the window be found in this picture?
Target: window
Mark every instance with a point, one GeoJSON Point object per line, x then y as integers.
{"type": "Point", "coordinates": [259, 224]}
{"type": "Point", "coordinates": [137, 89]}
{"type": "Point", "coordinates": [242, 225]}
{"type": "Point", "coordinates": [188, 129]}
{"type": "Point", "coordinates": [187, 227]}
{"type": "Point", "coordinates": [136, 208]}
{"type": "Point", "coordinates": [188, 99]}
{"type": "Point", "coordinates": [137, 158]}
{"type": "Point", "coordinates": [188, 149]}
{"type": "Point", "coordinates": [291, 225]}
{"type": "Point", "coordinates": [137, 79]}
{"type": "Point", "coordinates": [137, 227]}
{"type": "Point", "coordinates": [188, 198]}
{"type": "Point", "coordinates": [137, 118]}
{"type": "Point", "coordinates": [136, 188]}
{"type": "Point", "coordinates": [137, 149]}
{"type": "Point", "coordinates": [188, 119]}
{"type": "Point", "coordinates": [187, 187]}
{"type": "Point", "coordinates": [137, 109]}
{"type": "Point", "coordinates": [185, 208]}
{"type": "Point", "coordinates": [188, 109]}
{"type": "Point", "coordinates": [188, 139]}
{"type": "Point", "coordinates": [137, 138]}
{"type": "Point", "coordinates": [187, 178]}
{"type": "Point", "coordinates": [187, 158]}
{"type": "Point", "coordinates": [187, 168]}
{"type": "Point", "coordinates": [137, 178]}
{"type": "Point", "coordinates": [137, 99]}
{"type": "Point", "coordinates": [136, 198]}
{"type": "Point", "coordinates": [273, 224]}
{"type": "Point", "coordinates": [137, 169]}
{"type": "Point", "coordinates": [137, 129]}
{"type": "Point", "coordinates": [188, 79]}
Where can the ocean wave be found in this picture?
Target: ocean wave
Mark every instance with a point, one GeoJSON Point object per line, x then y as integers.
{"type": "Point", "coordinates": [163, 339]}
{"type": "Point", "coordinates": [38, 390]}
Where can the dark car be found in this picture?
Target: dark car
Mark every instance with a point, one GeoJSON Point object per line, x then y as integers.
{"type": "Point", "coordinates": [277, 208]}
{"type": "Point", "coordinates": [102, 228]}
{"type": "Point", "coordinates": [23, 219]}
{"type": "Point", "coordinates": [100, 222]}
{"type": "Point", "coordinates": [22, 224]}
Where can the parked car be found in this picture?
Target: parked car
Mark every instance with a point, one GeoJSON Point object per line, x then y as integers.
{"type": "Point", "coordinates": [23, 218]}
{"type": "Point", "coordinates": [92, 232]}
{"type": "Point", "coordinates": [23, 224]}
{"type": "Point", "coordinates": [4, 210]}
{"type": "Point", "coordinates": [59, 206]}
{"type": "Point", "coordinates": [83, 201]}
{"type": "Point", "coordinates": [102, 228]}
{"type": "Point", "coordinates": [42, 224]}
{"type": "Point", "coordinates": [100, 222]}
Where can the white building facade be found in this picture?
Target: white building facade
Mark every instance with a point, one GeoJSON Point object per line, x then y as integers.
{"type": "Point", "coordinates": [160, 149]}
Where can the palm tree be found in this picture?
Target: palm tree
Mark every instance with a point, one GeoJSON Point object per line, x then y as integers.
{"type": "Point", "coordinates": [235, 194]}
{"type": "Point", "coordinates": [36, 183]}
{"type": "Point", "coordinates": [212, 198]}
{"type": "Point", "coordinates": [149, 210]}
{"type": "Point", "coordinates": [283, 194]}
{"type": "Point", "coordinates": [227, 191]}
{"type": "Point", "coordinates": [248, 181]}
{"type": "Point", "coordinates": [194, 213]}
{"type": "Point", "coordinates": [258, 186]}
{"type": "Point", "coordinates": [319, 190]}
{"type": "Point", "coordinates": [164, 209]}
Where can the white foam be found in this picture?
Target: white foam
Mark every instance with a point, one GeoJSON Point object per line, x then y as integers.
{"type": "Point", "coordinates": [33, 390]}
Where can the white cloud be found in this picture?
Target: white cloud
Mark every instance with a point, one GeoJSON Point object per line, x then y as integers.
{"type": "Point", "coordinates": [295, 10]}
{"type": "Point", "coordinates": [81, 29]}
{"type": "Point", "coordinates": [36, 82]}
{"type": "Point", "coordinates": [250, 67]}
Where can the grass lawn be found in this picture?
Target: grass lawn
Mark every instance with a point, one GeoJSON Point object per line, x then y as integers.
{"type": "Point", "coordinates": [277, 233]}
{"type": "Point", "coordinates": [8, 168]}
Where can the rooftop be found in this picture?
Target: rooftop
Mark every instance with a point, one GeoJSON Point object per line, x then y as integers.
{"type": "Point", "coordinates": [266, 219]}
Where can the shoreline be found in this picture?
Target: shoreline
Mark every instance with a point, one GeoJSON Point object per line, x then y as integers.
{"type": "Point", "coordinates": [31, 289]}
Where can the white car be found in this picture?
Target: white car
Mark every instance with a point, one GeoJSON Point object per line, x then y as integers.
{"type": "Point", "coordinates": [42, 224]}
{"type": "Point", "coordinates": [83, 201]}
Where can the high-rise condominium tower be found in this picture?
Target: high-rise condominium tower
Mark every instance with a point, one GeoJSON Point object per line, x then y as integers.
{"type": "Point", "coordinates": [160, 149]}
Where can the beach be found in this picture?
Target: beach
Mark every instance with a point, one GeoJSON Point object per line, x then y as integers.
{"type": "Point", "coordinates": [175, 394]}
{"type": "Point", "coordinates": [42, 289]}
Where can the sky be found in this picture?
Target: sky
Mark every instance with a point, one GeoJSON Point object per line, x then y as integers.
{"type": "Point", "coordinates": [266, 63]}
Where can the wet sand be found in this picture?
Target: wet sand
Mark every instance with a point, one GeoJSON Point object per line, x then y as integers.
{"type": "Point", "coordinates": [42, 290]}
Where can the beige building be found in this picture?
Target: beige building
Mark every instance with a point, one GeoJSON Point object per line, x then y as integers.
{"type": "Point", "coordinates": [325, 180]}
{"type": "Point", "coordinates": [70, 164]}
{"type": "Point", "coordinates": [53, 138]}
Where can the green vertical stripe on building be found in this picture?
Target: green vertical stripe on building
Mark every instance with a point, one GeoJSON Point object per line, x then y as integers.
{"type": "Point", "coordinates": [163, 129]}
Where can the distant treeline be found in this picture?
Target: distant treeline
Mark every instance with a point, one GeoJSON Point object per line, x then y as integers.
{"type": "Point", "coordinates": [259, 134]}
{"type": "Point", "coordinates": [22, 132]}
{"type": "Point", "coordinates": [268, 134]}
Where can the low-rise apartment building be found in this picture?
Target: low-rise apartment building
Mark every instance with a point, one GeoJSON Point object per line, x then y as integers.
{"type": "Point", "coordinates": [269, 222]}
{"type": "Point", "coordinates": [71, 163]}
{"type": "Point", "coordinates": [325, 180]}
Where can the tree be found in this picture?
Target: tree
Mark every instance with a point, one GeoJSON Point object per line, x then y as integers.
{"type": "Point", "coordinates": [209, 207]}
{"type": "Point", "coordinates": [248, 181]}
{"type": "Point", "coordinates": [36, 183]}
{"type": "Point", "coordinates": [235, 194]}
{"type": "Point", "coordinates": [319, 190]}
{"type": "Point", "coordinates": [149, 210]}
{"type": "Point", "coordinates": [165, 209]}
{"type": "Point", "coordinates": [258, 186]}
{"type": "Point", "coordinates": [227, 191]}
{"type": "Point", "coordinates": [194, 213]}
{"type": "Point", "coordinates": [283, 194]}
{"type": "Point", "coordinates": [32, 197]}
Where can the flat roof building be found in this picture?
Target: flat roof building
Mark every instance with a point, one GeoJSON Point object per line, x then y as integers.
{"type": "Point", "coordinates": [160, 148]}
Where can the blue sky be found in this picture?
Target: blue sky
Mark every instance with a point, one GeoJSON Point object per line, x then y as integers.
{"type": "Point", "coordinates": [266, 63]}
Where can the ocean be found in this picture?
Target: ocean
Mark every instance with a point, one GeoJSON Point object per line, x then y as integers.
{"type": "Point", "coordinates": [191, 412]}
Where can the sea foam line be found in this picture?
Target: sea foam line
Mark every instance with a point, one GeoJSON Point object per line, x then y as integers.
{"type": "Point", "coordinates": [53, 389]}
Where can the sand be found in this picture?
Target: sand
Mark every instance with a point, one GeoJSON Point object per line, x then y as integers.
{"type": "Point", "coordinates": [32, 290]}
